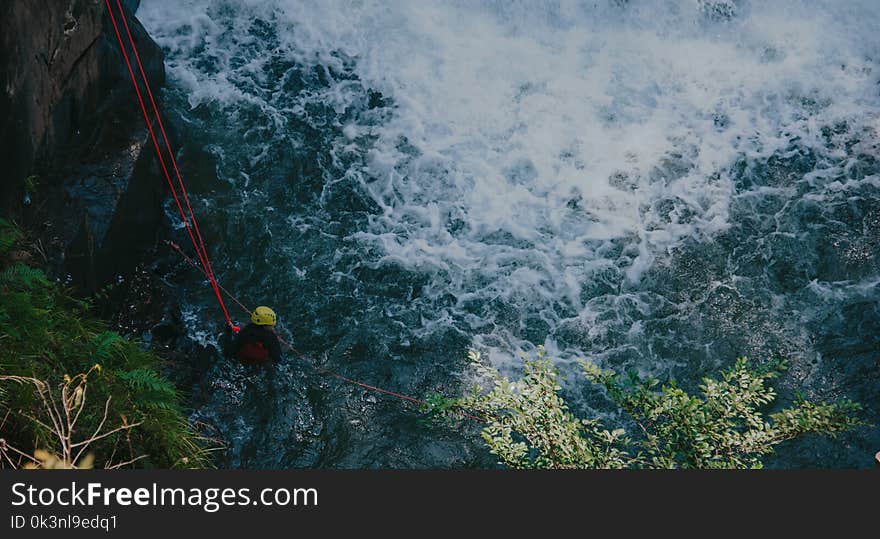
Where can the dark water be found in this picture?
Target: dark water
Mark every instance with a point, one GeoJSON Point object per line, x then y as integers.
{"type": "Point", "coordinates": [662, 185]}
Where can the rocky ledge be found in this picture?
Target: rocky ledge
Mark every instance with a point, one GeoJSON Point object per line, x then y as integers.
{"type": "Point", "coordinates": [80, 169]}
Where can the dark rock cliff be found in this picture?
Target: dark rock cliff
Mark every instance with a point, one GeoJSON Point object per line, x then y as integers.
{"type": "Point", "coordinates": [77, 158]}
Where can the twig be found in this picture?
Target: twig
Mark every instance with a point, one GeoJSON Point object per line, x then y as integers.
{"type": "Point", "coordinates": [37, 421]}
{"type": "Point", "coordinates": [101, 424]}
{"type": "Point", "coordinates": [126, 463]}
{"type": "Point", "coordinates": [106, 434]}
{"type": "Point", "coordinates": [58, 431]}
{"type": "Point", "coordinates": [25, 455]}
{"type": "Point", "coordinates": [64, 424]}
{"type": "Point", "coordinates": [82, 404]}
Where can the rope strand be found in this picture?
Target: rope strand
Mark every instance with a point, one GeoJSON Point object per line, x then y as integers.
{"type": "Point", "coordinates": [201, 252]}
{"type": "Point", "coordinates": [306, 359]}
{"type": "Point", "coordinates": [189, 218]}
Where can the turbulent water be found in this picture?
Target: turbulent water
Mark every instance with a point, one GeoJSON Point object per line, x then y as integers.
{"type": "Point", "coordinates": [657, 185]}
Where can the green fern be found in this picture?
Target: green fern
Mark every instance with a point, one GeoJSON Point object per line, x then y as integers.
{"type": "Point", "coordinates": [47, 334]}
{"type": "Point", "coordinates": [151, 389]}
{"type": "Point", "coordinates": [9, 234]}
{"type": "Point", "coordinates": [20, 317]}
{"type": "Point", "coordinates": [107, 345]}
{"type": "Point", "coordinates": [21, 277]}
{"type": "Point", "coordinates": [6, 326]}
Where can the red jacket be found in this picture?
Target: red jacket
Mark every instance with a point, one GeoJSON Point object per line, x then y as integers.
{"type": "Point", "coordinates": [255, 345]}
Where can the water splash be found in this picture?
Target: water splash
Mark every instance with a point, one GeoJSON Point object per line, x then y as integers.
{"type": "Point", "coordinates": [659, 185]}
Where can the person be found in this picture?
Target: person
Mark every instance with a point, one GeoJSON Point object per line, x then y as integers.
{"type": "Point", "coordinates": [257, 343]}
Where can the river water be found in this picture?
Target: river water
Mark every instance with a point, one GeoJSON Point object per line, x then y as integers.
{"type": "Point", "coordinates": [656, 185]}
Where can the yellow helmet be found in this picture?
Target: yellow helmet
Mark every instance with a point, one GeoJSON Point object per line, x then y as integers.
{"type": "Point", "coordinates": [263, 316]}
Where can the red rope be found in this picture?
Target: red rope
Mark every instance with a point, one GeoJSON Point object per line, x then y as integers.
{"type": "Point", "coordinates": [193, 229]}
{"type": "Point", "coordinates": [198, 244]}
{"type": "Point", "coordinates": [311, 362]}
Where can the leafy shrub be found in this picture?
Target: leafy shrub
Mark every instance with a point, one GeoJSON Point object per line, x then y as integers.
{"type": "Point", "coordinates": [529, 425]}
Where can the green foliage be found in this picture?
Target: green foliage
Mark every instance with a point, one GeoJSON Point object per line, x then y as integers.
{"type": "Point", "coordinates": [530, 425]}
{"type": "Point", "coordinates": [153, 390]}
{"type": "Point", "coordinates": [9, 234]}
{"type": "Point", "coordinates": [32, 184]}
{"type": "Point", "coordinates": [438, 408]}
{"type": "Point", "coordinates": [107, 346]}
{"type": "Point", "coordinates": [47, 335]}
{"type": "Point", "coordinates": [23, 277]}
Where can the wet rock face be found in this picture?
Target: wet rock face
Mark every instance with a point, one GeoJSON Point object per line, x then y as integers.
{"type": "Point", "coordinates": [69, 115]}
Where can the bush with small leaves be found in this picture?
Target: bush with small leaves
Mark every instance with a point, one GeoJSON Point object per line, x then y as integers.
{"type": "Point", "coordinates": [529, 424]}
